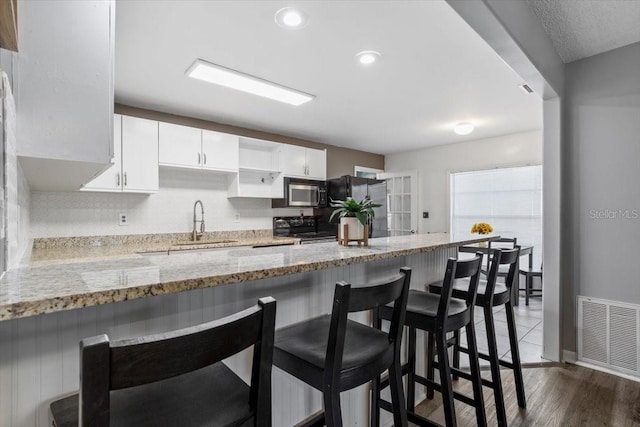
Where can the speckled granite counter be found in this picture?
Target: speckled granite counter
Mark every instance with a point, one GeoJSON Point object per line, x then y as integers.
{"type": "Point", "coordinates": [105, 275]}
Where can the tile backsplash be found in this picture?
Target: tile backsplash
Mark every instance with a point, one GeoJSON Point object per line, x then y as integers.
{"type": "Point", "coordinates": [65, 214]}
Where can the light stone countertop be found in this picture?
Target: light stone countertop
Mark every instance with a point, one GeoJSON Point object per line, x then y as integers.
{"type": "Point", "coordinates": [76, 277]}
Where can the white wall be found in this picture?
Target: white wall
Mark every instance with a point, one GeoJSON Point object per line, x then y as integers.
{"type": "Point", "coordinates": [434, 164]}
{"type": "Point", "coordinates": [64, 214]}
{"type": "Point", "coordinates": [602, 137]}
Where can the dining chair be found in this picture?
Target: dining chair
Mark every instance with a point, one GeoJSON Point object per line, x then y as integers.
{"type": "Point", "coordinates": [529, 273]}
{"type": "Point", "coordinates": [333, 354]}
{"type": "Point", "coordinates": [175, 378]}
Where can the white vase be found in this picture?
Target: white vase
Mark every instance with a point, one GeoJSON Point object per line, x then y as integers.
{"type": "Point", "coordinates": [356, 229]}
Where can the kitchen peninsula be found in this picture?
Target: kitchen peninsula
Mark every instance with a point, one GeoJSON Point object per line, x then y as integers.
{"type": "Point", "coordinates": [45, 310]}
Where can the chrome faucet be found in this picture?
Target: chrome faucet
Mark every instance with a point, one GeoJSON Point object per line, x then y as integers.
{"type": "Point", "coordinates": [195, 234]}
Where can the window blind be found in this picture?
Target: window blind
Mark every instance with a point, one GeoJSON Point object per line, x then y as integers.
{"type": "Point", "coordinates": [510, 199]}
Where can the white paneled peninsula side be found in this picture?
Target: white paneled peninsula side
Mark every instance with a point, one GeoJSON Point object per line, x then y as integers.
{"type": "Point", "coordinates": [48, 307]}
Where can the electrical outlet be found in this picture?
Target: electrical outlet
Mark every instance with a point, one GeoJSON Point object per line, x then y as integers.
{"type": "Point", "coordinates": [237, 218]}
{"type": "Point", "coordinates": [122, 219]}
{"type": "Point", "coordinates": [425, 214]}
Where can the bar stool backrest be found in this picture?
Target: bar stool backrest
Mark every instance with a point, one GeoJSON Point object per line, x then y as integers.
{"type": "Point", "coordinates": [459, 269]}
{"type": "Point", "coordinates": [502, 257]}
{"type": "Point", "coordinates": [107, 366]}
{"type": "Point", "coordinates": [350, 300]}
{"type": "Point", "coordinates": [501, 243]}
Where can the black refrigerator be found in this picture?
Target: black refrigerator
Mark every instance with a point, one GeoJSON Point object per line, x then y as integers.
{"type": "Point", "coordinates": [356, 188]}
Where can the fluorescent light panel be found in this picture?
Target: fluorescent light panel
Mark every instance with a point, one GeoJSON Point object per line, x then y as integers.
{"type": "Point", "coordinates": [216, 74]}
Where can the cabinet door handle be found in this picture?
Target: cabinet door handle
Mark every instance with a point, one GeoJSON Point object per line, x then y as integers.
{"type": "Point", "coordinates": [199, 162]}
{"type": "Point", "coordinates": [118, 179]}
{"type": "Point", "coordinates": [125, 179]}
{"type": "Point", "coordinates": [204, 156]}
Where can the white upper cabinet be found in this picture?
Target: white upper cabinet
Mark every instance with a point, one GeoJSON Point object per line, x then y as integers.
{"type": "Point", "coordinates": [259, 170]}
{"type": "Point", "coordinates": [316, 164]}
{"type": "Point", "coordinates": [180, 146]}
{"type": "Point", "coordinates": [63, 82]}
{"type": "Point", "coordinates": [135, 163]}
{"type": "Point", "coordinates": [220, 151]}
{"type": "Point", "coordinates": [139, 155]}
{"type": "Point", "coordinates": [187, 147]}
{"type": "Point", "coordinates": [301, 162]}
{"type": "Point", "coordinates": [110, 179]}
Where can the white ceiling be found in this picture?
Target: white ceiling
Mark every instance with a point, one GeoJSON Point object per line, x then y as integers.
{"type": "Point", "coordinates": [435, 71]}
{"type": "Point", "coordinates": [582, 28]}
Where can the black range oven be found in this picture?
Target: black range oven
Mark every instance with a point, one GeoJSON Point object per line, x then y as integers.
{"type": "Point", "coordinates": [303, 227]}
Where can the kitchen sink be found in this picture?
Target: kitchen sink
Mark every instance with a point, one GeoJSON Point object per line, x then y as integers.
{"type": "Point", "coordinates": [186, 250]}
{"type": "Point", "coordinates": [204, 242]}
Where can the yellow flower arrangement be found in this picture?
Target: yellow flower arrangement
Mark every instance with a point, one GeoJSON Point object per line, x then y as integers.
{"type": "Point", "coordinates": [482, 228]}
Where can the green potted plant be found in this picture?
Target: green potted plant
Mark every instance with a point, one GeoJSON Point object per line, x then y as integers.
{"type": "Point", "coordinates": [354, 214]}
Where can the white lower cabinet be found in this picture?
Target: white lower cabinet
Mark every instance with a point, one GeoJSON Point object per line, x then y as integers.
{"type": "Point", "coordinates": [135, 162]}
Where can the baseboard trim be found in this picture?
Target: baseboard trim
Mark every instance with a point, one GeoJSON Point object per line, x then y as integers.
{"type": "Point", "coordinates": [569, 356]}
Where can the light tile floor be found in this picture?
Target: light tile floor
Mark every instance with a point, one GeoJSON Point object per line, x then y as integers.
{"type": "Point", "coordinates": [528, 327]}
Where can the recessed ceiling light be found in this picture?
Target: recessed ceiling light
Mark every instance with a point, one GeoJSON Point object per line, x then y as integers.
{"type": "Point", "coordinates": [289, 17]}
{"type": "Point", "coordinates": [367, 57]}
{"type": "Point", "coordinates": [216, 74]}
{"type": "Point", "coordinates": [463, 128]}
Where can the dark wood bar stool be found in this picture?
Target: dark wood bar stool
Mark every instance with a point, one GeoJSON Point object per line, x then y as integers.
{"type": "Point", "coordinates": [500, 243]}
{"type": "Point", "coordinates": [175, 378]}
{"type": "Point", "coordinates": [333, 354]}
{"type": "Point", "coordinates": [438, 315]}
{"type": "Point", "coordinates": [492, 294]}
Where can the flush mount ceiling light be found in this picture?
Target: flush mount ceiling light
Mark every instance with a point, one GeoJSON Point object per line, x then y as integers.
{"type": "Point", "coordinates": [216, 74]}
{"type": "Point", "coordinates": [291, 18]}
{"type": "Point", "coordinates": [367, 57]}
{"type": "Point", "coordinates": [463, 128]}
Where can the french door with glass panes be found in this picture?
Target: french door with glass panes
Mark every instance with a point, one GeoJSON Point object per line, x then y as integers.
{"type": "Point", "coordinates": [402, 206]}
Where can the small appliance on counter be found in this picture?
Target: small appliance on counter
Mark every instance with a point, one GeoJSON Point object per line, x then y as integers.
{"type": "Point", "coordinates": [356, 188]}
{"type": "Point", "coordinates": [303, 227]}
{"type": "Point", "coordinates": [302, 193]}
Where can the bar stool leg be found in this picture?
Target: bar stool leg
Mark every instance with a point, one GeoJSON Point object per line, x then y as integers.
{"type": "Point", "coordinates": [495, 366]}
{"type": "Point", "coordinates": [445, 380]}
{"type": "Point", "coordinates": [332, 409]}
{"type": "Point", "coordinates": [375, 405]}
{"type": "Point", "coordinates": [375, 384]}
{"type": "Point", "coordinates": [515, 355]}
{"type": "Point", "coordinates": [430, 367]}
{"type": "Point", "coordinates": [527, 288]}
{"type": "Point", "coordinates": [397, 394]}
{"type": "Point", "coordinates": [411, 376]}
{"type": "Point", "coordinates": [456, 352]}
{"type": "Point", "coordinates": [475, 374]}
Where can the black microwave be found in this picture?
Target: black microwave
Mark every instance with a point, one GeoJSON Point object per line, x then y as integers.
{"type": "Point", "coordinates": [302, 193]}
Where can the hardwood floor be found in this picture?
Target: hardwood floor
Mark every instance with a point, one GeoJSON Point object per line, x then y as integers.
{"type": "Point", "coordinates": [557, 395]}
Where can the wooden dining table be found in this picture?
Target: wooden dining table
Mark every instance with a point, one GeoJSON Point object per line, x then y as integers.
{"type": "Point", "coordinates": [525, 250]}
